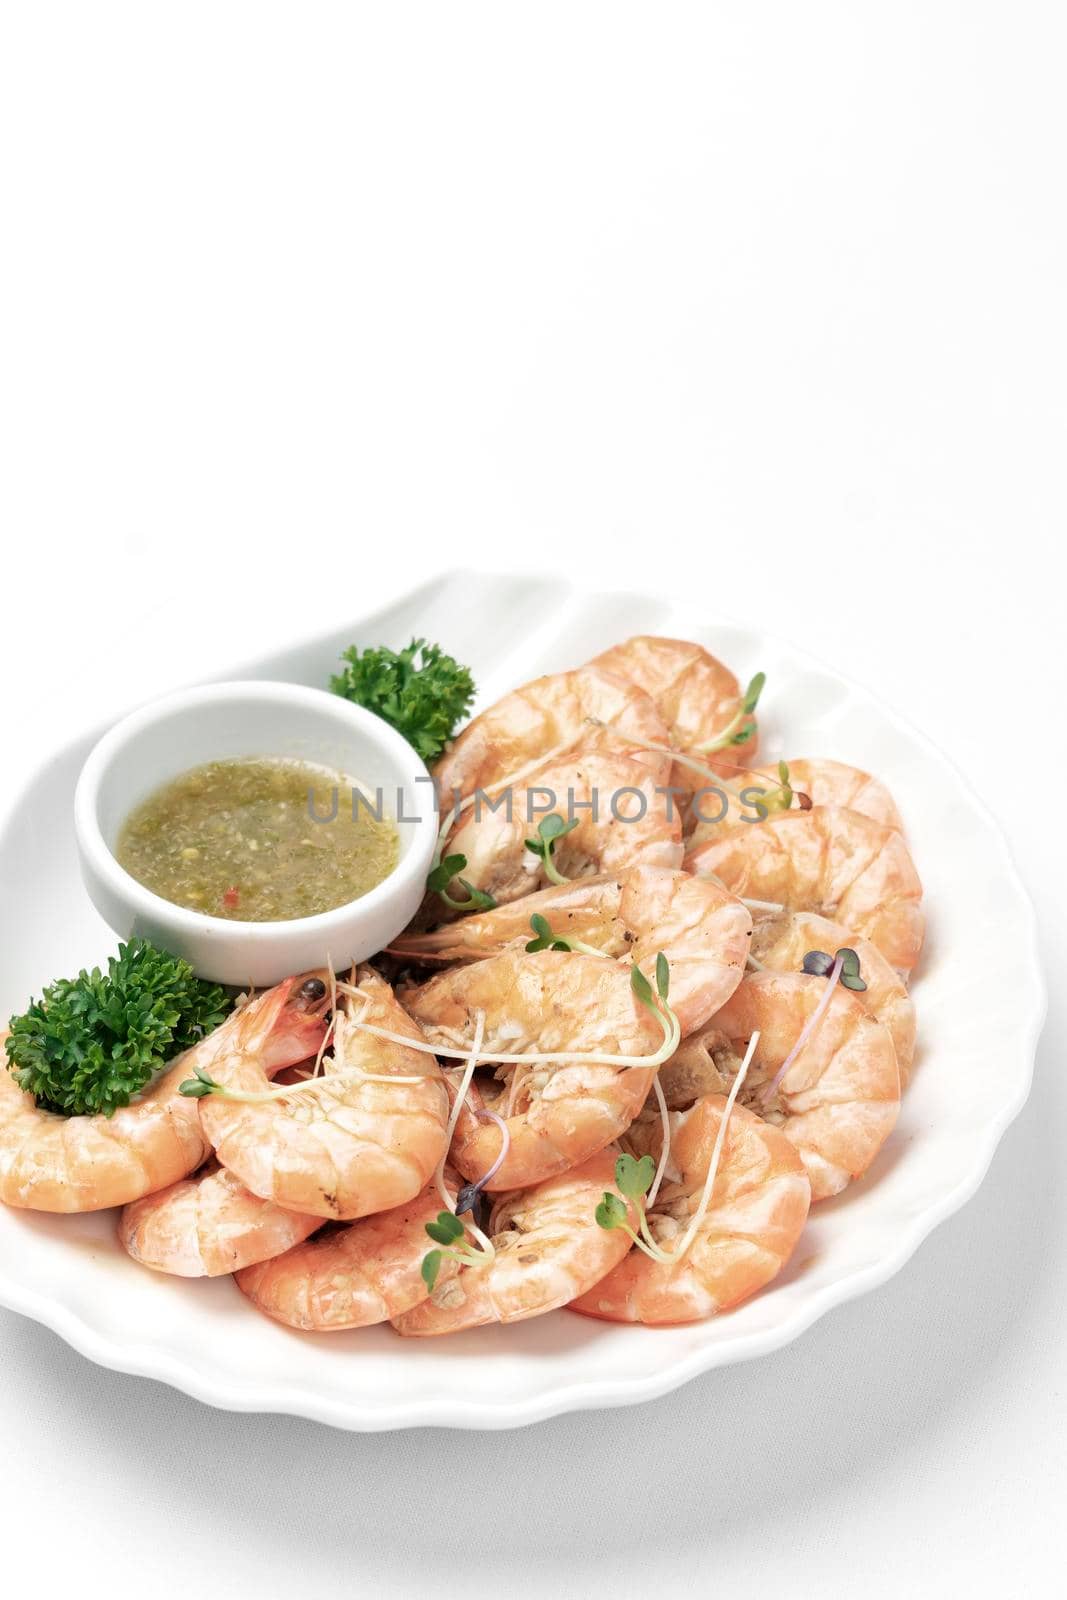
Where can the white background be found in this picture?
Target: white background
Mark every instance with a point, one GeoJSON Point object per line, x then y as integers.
{"type": "Point", "coordinates": [762, 303]}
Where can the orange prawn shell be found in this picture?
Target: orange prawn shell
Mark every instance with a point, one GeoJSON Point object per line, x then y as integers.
{"type": "Point", "coordinates": [577, 1003]}
{"type": "Point", "coordinates": [696, 695]}
{"type": "Point", "coordinates": [364, 1146]}
{"type": "Point", "coordinates": [207, 1226]}
{"type": "Point", "coordinates": [55, 1163]}
{"type": "Point", "coordinates": [587, 708]}
{"type": "Point", "coordinates": [840, 1099]}
{"type": "Point", "coordinates": [759, 1205]}
{"type": "Point", "coordinates": [703, 931]}
{"type": "Point", "coordinates": [560, 1252]}
{"type": "Point", "coordinates": [830, 860]}
{"type": "Point", "coordinates": [823, 782]}
{"type": "Point", "coordinates": [353, 1276]}
{"type": "Point", "coordinates": [781, 940]}
{"type": "Point", "coordinates": [633, 822]}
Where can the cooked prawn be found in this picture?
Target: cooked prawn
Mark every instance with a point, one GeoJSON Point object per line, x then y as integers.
{"type": "Point", "coordinates": [781, 940]}
{"type": "Point", "coordinates": [759, 1204]}
{"type": "Point", "coordinates": [547, 1250]}
{"type": "Point", "coordinates": [209, 1225]}
{"type": "Point", "coordinates": [587, 709]}
{"type": "Point", "coordinates": [839, 1099]}
{"type": "Point", "coordinates": [547, 1001]}
{"type": "Point", "coordinates": [351, 1145]}
{"type": "Point", "coordinates": [828, 860]}
{"type": "Point", "coordinates": [353, 1275]}
{"type": "Point", "coordinates": [824, 783]}
{"type": "Point", "coordinates": [621, 815]}
{"type": "Point", "coordinates": [86, 1163]}
{"type": "Point", "coordinates": [696, 695]}
{"type": "Point", "coordinates": [701, 929]}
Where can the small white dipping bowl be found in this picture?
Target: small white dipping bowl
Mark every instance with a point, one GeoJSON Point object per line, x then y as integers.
{"type": "Point", "coordinates": [226, 721]}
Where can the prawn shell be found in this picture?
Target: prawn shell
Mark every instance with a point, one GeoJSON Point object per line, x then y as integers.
{"type": "Point", "coordinates": [696, 695]}
{"type": "Point", "coordinates": [830, 860]}
{"type": "Point", "coordinates": [55, 1163]}
{"type": "Point", "coordinates": [589, 707]}
{"type": "Point", "coordinates": [824, 783]}
{"type": "Point", "coordinates": [759, 1205]}
{"type": "Point", "coordinates": [781, 940]}
{"type": "Point", "coordinates": [622, 817]}
{"type": "Point", "coordinates": [840, 1098]}
{"type": "Point", "coordinates": [360, 1147]}
{"type": "Point", "coordinates": [701, 929]}
{"type": "Point", "coordinates": [548, 1001]}
{"type": "Point", "coordinates": [208, 1226]}
{"type": "Point", "coordinates": [353, 1276]}
{"type": "Point", "coordinates": [558, 1252]}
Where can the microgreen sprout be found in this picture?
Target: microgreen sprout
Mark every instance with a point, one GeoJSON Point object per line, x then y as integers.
{"type": "Point", "coordinates": [656, 1004]}
{"type": "Point", "coordinates": [549, 831]}
{"type": "Point", "coordinates": [449, 1234]}
{"type": "Point", "coordinates": [818, 964]}
{"type": "Point", "coordinates": [442, 875]}
{"type": "Point", "coordinates": [545, 939]}
{"type": "Point", "coordinates": [199, 1086]}
{"type": "Point", "coordinates": [665, 1149]}
{"type": "Point", "coordinates": [633, 1179]}
{"type": "Point", "coordinates": [739, 730]}
{"type": "Point", "coordinates": [781, 798]}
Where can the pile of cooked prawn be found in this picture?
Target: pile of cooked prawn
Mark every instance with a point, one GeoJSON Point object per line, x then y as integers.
{"type": "Point", "coordinates": [609, 1067]}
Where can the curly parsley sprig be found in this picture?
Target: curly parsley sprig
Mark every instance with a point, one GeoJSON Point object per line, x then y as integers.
{"type": "Point", "coordinates": [420, 691]}
{"type": "Point", "coordinates": [92, 1042]}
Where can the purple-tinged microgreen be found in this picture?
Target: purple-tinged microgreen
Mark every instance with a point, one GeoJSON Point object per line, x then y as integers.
{"type": "Point", "coordinates": [818, 964]}
{"type": "Point", "coordinates": [443, 874]}
{"type": "Point", "coordinates": [549, 831]}
{"type": "Point", "coordinates": [767, 1091]}
{"type": "Point", "coordinates": [472, 1195]}
{"type": "Point", "coordinates": [432, 1263]}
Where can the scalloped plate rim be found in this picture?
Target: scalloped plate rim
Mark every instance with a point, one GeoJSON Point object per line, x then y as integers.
{"type": "Point", "coordinates": [161, 1364]}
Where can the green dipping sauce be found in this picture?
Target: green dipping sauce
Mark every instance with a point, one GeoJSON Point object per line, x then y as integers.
{"type": "Point", "coordinates": [240, 840]}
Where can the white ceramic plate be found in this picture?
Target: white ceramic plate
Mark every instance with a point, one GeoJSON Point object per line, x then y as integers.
{"type": "Point", "coordinates": [973, 1073]}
